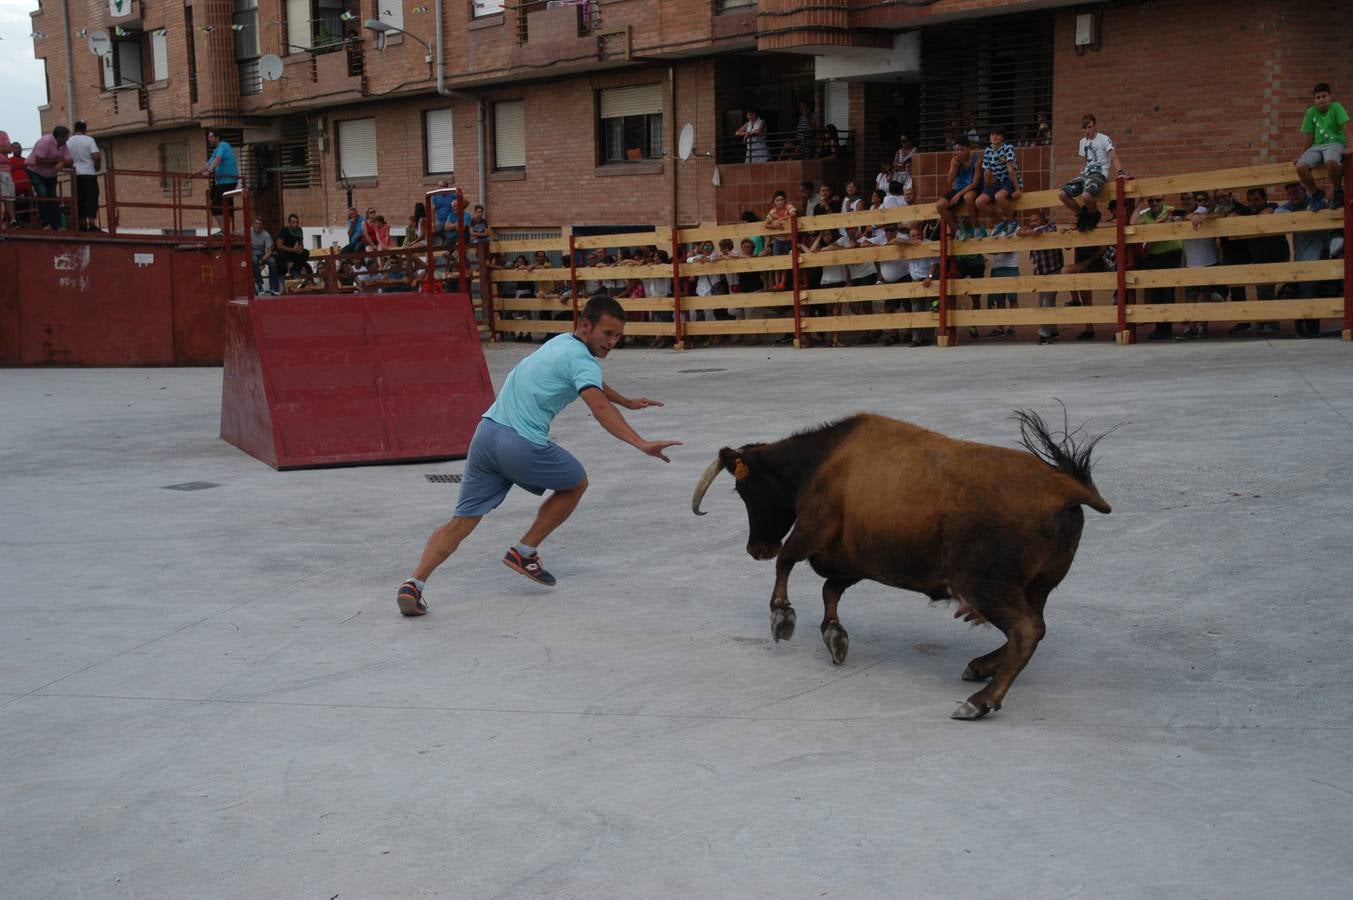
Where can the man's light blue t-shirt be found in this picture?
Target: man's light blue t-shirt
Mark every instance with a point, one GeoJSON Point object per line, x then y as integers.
{"type": "Point", "coordinates": [543, 384]}
{"type": "Point", "coordinates": [228, 171]}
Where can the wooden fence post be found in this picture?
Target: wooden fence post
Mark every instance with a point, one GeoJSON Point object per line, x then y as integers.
{"type": "Point", "coordinates": [1121, 261]}
{"type": "Point", "coordinates": [945, 337]}
{"type": "Point", "coordinates": [794, 274]}
{"type": "Point", "coordinates": [573, 275]}
{"type": "Point", "coordinates": [1348, 257]}
{"type": "Point", "coordinates": [679, 335]}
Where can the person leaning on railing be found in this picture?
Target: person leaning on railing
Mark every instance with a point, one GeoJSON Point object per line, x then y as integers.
{"type": "Point", "coordinates": [1263, 249]}
{"type": "Point", "coordinates": [1307, 246]}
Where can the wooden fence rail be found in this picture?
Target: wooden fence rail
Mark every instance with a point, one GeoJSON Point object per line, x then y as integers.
{"type": "Point", "coordinates": [668, 311]}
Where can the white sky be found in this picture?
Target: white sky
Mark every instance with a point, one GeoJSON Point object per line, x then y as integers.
{"type": "Point", "coordinates": [23, 90]}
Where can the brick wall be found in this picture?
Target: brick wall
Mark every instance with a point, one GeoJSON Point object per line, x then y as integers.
{"type": "Point", "coordinates": [1186, 85]}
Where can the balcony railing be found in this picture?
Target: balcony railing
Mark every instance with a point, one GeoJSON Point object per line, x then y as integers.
{"type": "Point", "coordinates": [784, 146]}
{"type": "Point", "coordinates": [589, 14]}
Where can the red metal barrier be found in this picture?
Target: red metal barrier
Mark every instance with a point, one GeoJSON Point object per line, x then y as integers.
{"type": "Point", "coordinates": [100, 301]}
{"type": "Point", "coordinates": [321, 380]}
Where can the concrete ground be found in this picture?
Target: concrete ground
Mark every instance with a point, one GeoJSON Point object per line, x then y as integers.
{"type": "Point", "coordinates": [209, 693]}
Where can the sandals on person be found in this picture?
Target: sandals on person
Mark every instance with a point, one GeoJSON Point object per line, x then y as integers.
{"type": "Point", "coordinates": [410, 600]}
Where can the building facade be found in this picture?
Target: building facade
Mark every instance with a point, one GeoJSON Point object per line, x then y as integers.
{"type": "Point", "coordinates": [555, 112]}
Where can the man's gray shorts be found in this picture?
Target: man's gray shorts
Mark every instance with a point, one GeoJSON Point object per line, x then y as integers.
{"type": "Point", "coordinates": [500, 458]}
{"type": "Point", "coordinates": [1322, 154]}
{"type": "Point", "coordinates": [1091, 182]}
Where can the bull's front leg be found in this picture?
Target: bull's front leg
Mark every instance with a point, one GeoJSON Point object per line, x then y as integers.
{"type": "Point", "coordinates": [781, 613]}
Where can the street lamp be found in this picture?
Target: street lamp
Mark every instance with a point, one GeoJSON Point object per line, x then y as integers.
{"type": "Point", "coordinates": [384, 28]}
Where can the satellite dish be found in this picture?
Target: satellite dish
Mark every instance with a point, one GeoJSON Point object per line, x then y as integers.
{"type": "Point", "coordinates": [269, 66]}
{"type": "Point", "coordinates": [686, 142]}
{"type": "Point", "coordinates": [100, 44]}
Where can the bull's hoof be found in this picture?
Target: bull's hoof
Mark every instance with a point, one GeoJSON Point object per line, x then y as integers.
{"type": "Point", "coordinates": [837, 641]}
{"type": "Point", "coordinates": [782, 623]}
{"type": "Point", "coordinates": [970, 711]}
{"type": "Point", "coordinates": [970, 674]}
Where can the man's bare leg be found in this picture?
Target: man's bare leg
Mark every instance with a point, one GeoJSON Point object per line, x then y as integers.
{"type": "Point", "coordinates": [553, 512]}
{"type": "Point", "coordinates": [442, 543]}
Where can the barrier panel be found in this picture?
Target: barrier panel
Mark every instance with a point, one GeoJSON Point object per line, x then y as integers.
{"type": "Point", "coordinates": [334, 379]}
{"type": "Point", "coordinates": [950, 302]}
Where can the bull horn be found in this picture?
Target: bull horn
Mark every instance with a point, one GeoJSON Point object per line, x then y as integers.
{"type": "Point", "coordinates": [705, 481]}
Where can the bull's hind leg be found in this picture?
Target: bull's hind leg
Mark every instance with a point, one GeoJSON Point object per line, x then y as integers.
{"type": "Point", "coordinates": [983, 667]}
{"type": "Point", "coordinates": [1023, 627]}
{"type": "Point", "coordinates": [833, 633]}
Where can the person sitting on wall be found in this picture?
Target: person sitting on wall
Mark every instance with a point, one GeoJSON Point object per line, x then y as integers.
{"type": "Point", "coordinates": [291, 252]}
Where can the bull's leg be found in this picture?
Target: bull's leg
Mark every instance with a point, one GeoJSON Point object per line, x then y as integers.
{"type": "Point", "coordinates": [795, 549]}
{"type": "Point", "coordinates": [984, 666]}
{"type": "Point", "coordinates": [1023, 629]}
{"type": "Point", "coordinates": [833, 633]}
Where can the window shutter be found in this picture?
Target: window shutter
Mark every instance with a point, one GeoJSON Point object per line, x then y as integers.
{"type": "Point", "coordinates": [509, 134]}
{"type": "Point", "coordinates": [639, 100]}
{"type": "Point", "coordinates": [487, 7]}
{"type": "Point", "coordinates": [357, 148]}
{"type": "Point", "coordinates": [437, 137]}
{"type": "Point", "coordinates": [159, 54]}
{"type": "Point", "coordinates": [299, 29]}
{"type": "Point", "coordinates": [837, 103]}
{"type": "Point", "coordinates": [391, 12]}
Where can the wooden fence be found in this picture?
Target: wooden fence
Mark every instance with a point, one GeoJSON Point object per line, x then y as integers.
{"type": "Point", "coordinates": [678, 315]}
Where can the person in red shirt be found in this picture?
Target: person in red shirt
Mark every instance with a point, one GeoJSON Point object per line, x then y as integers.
{"type": "Point", "coordinates": [11, 155]}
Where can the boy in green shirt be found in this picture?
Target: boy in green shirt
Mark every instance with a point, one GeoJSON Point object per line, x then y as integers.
{"type": "Point", "coordinates": [1329, 137]}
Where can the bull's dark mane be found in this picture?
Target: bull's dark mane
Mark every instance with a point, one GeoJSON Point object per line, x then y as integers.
{"type": "Point", "coordinates": [796, 457]}
{"type": "Point", "coordinates": [1068, 454]}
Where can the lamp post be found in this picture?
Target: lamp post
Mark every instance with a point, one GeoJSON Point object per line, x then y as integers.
{"type": "Point", "coordinates": [384, 28]}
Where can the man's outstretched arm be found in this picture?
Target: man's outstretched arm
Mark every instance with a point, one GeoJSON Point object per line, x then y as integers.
{"type": "Point", "coordinates": [610, 418]}
{"type": "Point", "coordinates": [620, 400]}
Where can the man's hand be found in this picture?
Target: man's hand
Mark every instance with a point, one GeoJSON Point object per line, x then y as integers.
{"type": "Point", "coordinates": [655, 448]}
{"type": "Point", "coordinates": [641, 403]}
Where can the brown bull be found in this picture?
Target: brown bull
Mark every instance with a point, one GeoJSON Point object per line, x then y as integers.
{"type": "Point", "coordinates": [870, 497]}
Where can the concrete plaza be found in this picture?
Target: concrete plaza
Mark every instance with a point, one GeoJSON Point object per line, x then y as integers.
{"type": "Point", "coordinates": [209, 693]}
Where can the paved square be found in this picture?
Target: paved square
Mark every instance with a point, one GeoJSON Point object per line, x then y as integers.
{"type": "Point", "coordinates": [210, 693]}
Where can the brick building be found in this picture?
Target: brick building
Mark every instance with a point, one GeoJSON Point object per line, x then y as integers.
{"type": "Point", "coordinates": [567, 112]}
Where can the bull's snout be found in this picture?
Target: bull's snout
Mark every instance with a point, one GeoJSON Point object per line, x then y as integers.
{"type": "Point", "coordinates": [762, 551]}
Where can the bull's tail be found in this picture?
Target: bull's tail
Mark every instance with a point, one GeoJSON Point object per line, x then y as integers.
{"type": "Point", "coordinates": [1071, 454]}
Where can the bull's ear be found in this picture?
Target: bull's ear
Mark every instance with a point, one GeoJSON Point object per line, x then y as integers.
{"type": "Point", "coordinates": [734, 462]}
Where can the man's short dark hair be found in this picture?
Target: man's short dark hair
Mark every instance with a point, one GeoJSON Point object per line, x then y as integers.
{"type": "Point", "coordinates": [896, 187]}
{"type": "Point", "coordinates": [1322, 88]}
{"type": "Point", "coordinates": [749, 216]}
{"type": "Point", "coordinates": [1088, 119]}
{"type": "Point", "coordinates": [599, 305]}
{"type": "Point", "coordinates": [1262, 192]}
{"type": "Point", "coordinates": [996, 129]}
{"type": "Point", "coordinates": [61, 132]}
{"type": "Point", "coordinates": [79, 127]}
{"type": "Point", "coordinates": [808, 185]}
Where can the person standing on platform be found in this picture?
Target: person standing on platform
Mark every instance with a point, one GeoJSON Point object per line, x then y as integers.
{"type": "Point", "coordinates": [86, 160]}
{"type": "Point", "coordinates": [224, 172]}
{"type": "Point", "coordinates": [50, 155]}
{"type": "Point", "coordinates": [512, 445]}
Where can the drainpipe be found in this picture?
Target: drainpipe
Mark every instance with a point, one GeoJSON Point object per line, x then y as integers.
{"type": "Point", "coordinates": [70, 65]}
{"type": "Point", "coordinates": [671, 96]}
{"type": "Point", "coordinates": [442, 90]}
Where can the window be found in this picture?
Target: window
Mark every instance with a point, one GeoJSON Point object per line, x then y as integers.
{"type": "Point", "coordinates": [357, 148]}
{"type": "Point", "coordinates": [630, 123]}
{"type": "Point", "coordinates": [509, 134]}
{"type": "Point", "coordinates": [245, 18]}
{"type": "Point", "coordinates": [159, 55]}
{"type": "Point", "coordinates": [487, 7]}
{"type": "Point", "coordinates": [46, 85]}
{"type": "Point", "coordinates": [174, 158]}
{"type": "Point", "coordinates": [122, 64]}
{"type": "Point", "coordinates": [391, 13]}
{"type": "Point", "coordinates": [300, 31]}
{"type": "Point", "coordinates": [438, 153]}
{"type": "Point", "coordinates": [725, 5]}
{"type": "Point", "coordinates": [298, 166]}
{"type": "Point", "coordinates": [190, 31]}
{"type": "Point", "coordinates": [979, 76]}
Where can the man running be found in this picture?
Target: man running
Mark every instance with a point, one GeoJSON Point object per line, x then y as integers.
{"type": "Point", "coordinates": [512, 445]}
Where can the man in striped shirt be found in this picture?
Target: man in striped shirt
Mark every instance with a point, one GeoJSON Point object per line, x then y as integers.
{"type": "Point", "coordinates": [1002, 182]}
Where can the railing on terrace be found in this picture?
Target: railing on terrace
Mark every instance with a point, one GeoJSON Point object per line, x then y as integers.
{"type": "Point", "coordinates": [785, 146]}
{"type": "Point", "coordinates": [121, 190]}
{"type": "Point", "coordinates": [795, 309]}
{"type": "Point", "coordinates": [588, 12]}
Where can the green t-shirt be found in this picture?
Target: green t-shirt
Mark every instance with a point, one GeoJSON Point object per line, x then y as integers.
{"type": "Point", "coordinates": [1155, 248]}
{"type": "Point", "coordinates": [1325, 127]}
{"type": "Point", "coordinates": [970, 233]}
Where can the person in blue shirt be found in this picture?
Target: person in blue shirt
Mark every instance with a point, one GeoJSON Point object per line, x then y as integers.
{"type": "Point", "coordinates": [512, 445]}
{"type": "Point", "coordinates": [224, 172]}
{"type": "Point", "coordinates": [356, 232]}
